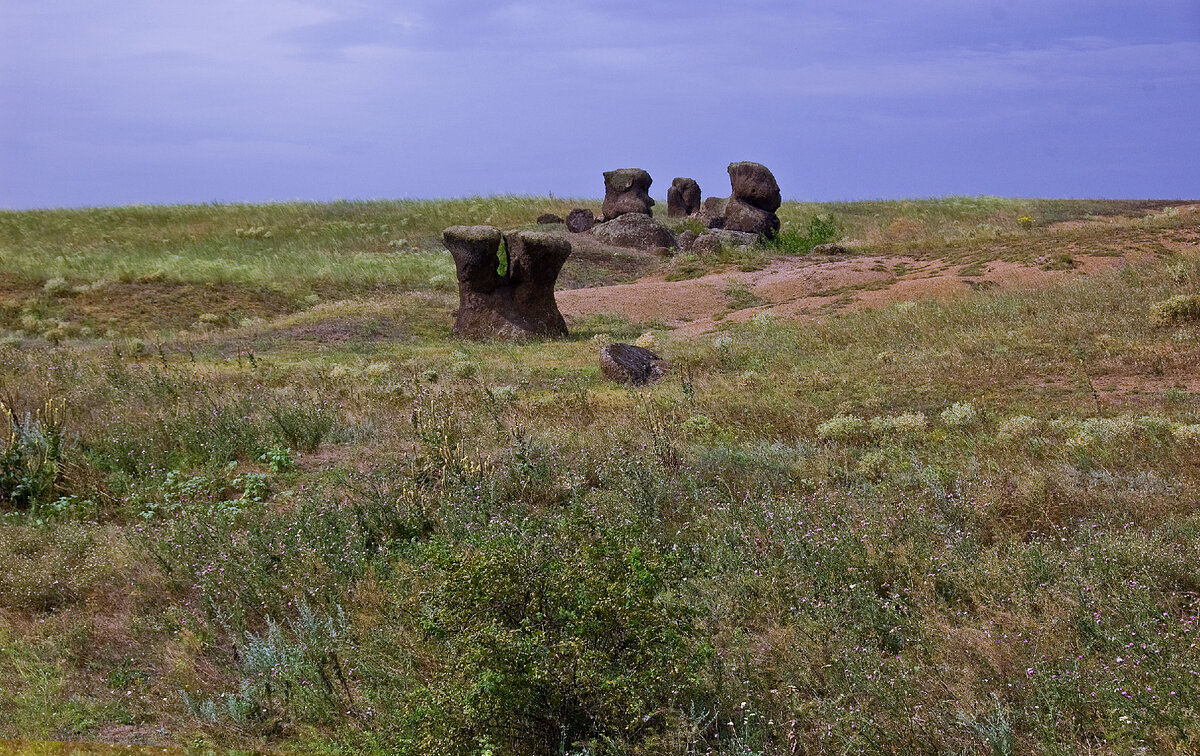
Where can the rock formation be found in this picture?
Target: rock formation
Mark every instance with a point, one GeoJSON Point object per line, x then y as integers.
{"type": "Point", "coordinates": [546, 219]}
{"type": "Point", "coordinates": [635, 230]}
{"type": "Point", "coordinates": [754, 201]}
{"type": "Point", "coordinates": [683, 198]}
{"type": "Point", "coordinates": [580, 219]}
{"type": "Point", "coordinates": [626, 363]}
{"type": "Point", "coordinates": [518, 304]}
{"type": "Point", "coordinates": [626, 191]}
{"type": "Point", "coordinates": [751, 208]}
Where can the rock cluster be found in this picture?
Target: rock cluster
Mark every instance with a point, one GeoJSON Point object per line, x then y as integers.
{"type": "Point", "coordinates": [626, 363]}
{"type": "Point", "coordinates": [683, 198]}
{"type": "Point", "coordinates": [626, 190]}
{"type": "Point", "coordinates": [518, 304]}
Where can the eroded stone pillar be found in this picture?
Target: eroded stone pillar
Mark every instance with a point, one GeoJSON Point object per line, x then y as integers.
{"type": "Point", "coordinates": [518, 304]}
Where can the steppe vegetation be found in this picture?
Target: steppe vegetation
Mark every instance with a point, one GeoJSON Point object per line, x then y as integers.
{"type": "Point", "coordinates": [254, 494]}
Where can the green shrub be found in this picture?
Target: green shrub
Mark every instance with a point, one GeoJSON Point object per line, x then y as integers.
{"type": "Point", "coordinates": [291, 672]}
{"type": "Point", "coordinates": [1177, 308]}
{"type": "Point", "coordinates": [551, 636]}
{"type": "Point", "coordinates": [302, 425]}
{"type": "Point", "coordinates": [819, 229]}
{"type": "Point", "coordinates": [30, 465]}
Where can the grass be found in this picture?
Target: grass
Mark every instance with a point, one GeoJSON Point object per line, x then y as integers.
{"type": "Point", "coordinates": [316, 522]}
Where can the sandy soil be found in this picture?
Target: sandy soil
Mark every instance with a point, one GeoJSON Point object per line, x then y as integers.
{"type": "Point", "coordinates": [797, 288]}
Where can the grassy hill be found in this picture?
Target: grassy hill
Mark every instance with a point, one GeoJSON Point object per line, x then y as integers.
{"type": "Point", "coordinates": [253, 493]}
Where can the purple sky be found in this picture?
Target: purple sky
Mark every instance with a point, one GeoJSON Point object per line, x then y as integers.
{"type": "Point", "coordinates": [162, 101]}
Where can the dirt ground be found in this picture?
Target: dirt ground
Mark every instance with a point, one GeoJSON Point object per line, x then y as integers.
{"type": "Point", "coordinates": [803, 287]}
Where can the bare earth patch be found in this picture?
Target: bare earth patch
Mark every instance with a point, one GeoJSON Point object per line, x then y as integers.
{"type": "Point", "coordinates": [800, 288]}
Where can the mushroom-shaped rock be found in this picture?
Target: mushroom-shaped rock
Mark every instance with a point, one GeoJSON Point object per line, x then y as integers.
{"type": "Point", "coordinates": [518, 304]}
{"type": "Point", "coordinates": [636, 231]}
{"type": "Point", "coordinates": [626, 363]}
{"type": "Point", "coordinates": [580, 219]}
{"type": "Point", "coordinates": [475, 250]}
{"type": "Point", "coordinates": [755, 199]}
{"type": "Point", "coordinates": [626, 190]}
{"type": "Point", "coordinates": [683, 198]}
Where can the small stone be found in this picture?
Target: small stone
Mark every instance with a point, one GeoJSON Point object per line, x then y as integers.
{"type": "Point", "coordinates": [830, 248]}
{"type": "Point", "coordinates": [580, 219]}
{"type": "Point", "coordinates": [626, 363]}
{"type": "Point", "coordinates": [546, 219]}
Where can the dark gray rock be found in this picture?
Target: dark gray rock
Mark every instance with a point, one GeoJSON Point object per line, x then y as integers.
{"type": "Point", "coordinates": [718, 238]}
{"type": "Point", "coordinates": [636, 231]}
{"type": "Point", "coordinates": [712, 212]}
{"type": "Point", "coordinates": [580, 219]}
{"type": "Point", "coordinates": [626, 363]}
{"type": "Point", "coordinates": [685, 240]}
{"type": "Point", "coordinates": [518, 304]}
{"type": "Point", "coordinates": [683, 198]}
{"type": "Point", "coordinates": [755, 185]}
{"type": "Point", "coordinates": [626, 190]}
{"type": "Point", "coordinates": [741, 216]}
{"type": "Point", "coordinates": [545, 219]}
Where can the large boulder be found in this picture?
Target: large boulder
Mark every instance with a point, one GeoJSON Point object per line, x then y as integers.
{"type": "Point", "coordinates": [712, 212]}
{"type": "Point", "coordinates": [626, 363]}
{"type": "Point", "coordinates": [719, 238]}
{"type": "Point", "coordinates": [683, 198]}
{"type": "Point", "coordinates": [755, 185]}
{"type": "Point", "coordinates": [518, 304]}
{"type": "Point", "coordinates": [635, 230]}
{"type": "Point", "coordinates": [580, 219]}
{"type": "Point", "coordinates": [626, 190]}
{"type": "Point", "coordinates": [742, 216]}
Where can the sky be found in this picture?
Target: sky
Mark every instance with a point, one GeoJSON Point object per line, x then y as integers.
{"type": "Point", "coordinates": [180, 101]}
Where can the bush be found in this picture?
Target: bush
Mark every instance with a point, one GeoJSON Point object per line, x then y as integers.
{"type": "Point", "coordinates": [820, 229]}
{"type": "Point", "coordinates": [960, 415]}
{"type": "Point", "coordinates": [29, 467]}
{"type": "Point", "coordinates": [1179, 307]}
{"type": "Point", "coordinates": [550, 636]}
{"type": "Point", "coordinates": [842, 428]}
